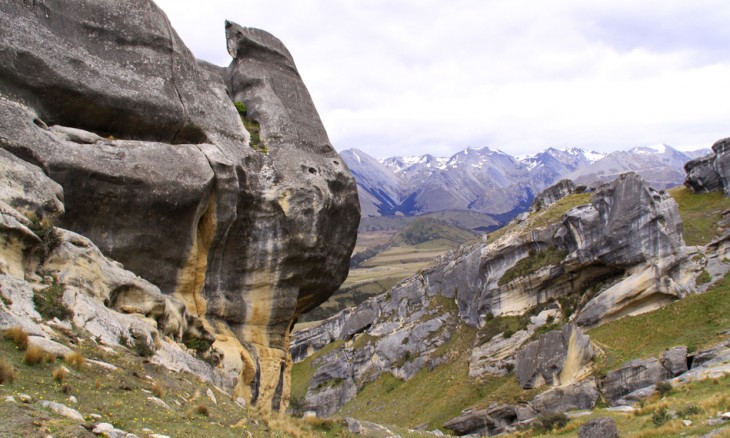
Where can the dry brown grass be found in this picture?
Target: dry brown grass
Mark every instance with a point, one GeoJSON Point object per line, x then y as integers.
{"type": "Point", "coordinates": [671, 428]}
{"type": "Point", "coordinates": [59, 374]}
{"type": "Point", "coordinates": [35, 355]}
{"type": "Point", "coordinates": [98, 384]}
{"type": "Point", "coordinates": [7, 373]}
{"type": "Point", "coordinates": [157, 389]}
{"type": "Point", "coordinates": [74, 359]}
{"type": "Point", "coordinates": [18, 336]}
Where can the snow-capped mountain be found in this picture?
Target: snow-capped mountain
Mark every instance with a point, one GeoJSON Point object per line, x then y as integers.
{"type": "Point", "coordinates": [493, 182]}
{"type": "Point", "coordinates": [661, 165]}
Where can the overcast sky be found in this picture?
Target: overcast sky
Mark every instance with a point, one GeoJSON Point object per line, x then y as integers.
{"type": "Point", "coordinates": [407, 77]}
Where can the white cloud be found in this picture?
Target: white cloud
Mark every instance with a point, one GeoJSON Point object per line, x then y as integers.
{"type": "Point", "coordinates": [412, 77]}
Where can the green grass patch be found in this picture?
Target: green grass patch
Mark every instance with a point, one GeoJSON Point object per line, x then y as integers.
{"type": "Point", "coordinates": [302, 372]}
{"type": "Point", "coordinates": [424, 230]}
{"type": "Point", "coordinates": [533, 262]}
{"type": "Point", "coordinates": [703, 278]}
{"type": "Point", "coordinates": [696, 321]}
{"type": "Point", "coordinates": [253, 127]}
{"type": "Point", "coordinates": [508, 325]}
{"type": "Point", "coordinates": [700, 214]}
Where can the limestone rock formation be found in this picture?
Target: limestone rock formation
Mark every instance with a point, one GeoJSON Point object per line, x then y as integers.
{"type": "Point", "coordinates": [634, 375]}
{"type": "Point", "coordinates": [556, 358]}
{"type": "Point", "coordinates": [146, 156]}
{"type": "Point", "coordinates": [554, 193]}
{"type": "Point", "coordinates": [710, 173]}
{"type": "Point", "coordinates": [616, 252]}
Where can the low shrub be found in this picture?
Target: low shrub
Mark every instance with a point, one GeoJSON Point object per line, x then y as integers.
{"type": "Point", "coordinates": [689, 411]}
{"type": "Point", "coordinates": [202, 410]}
{"type": "Point", "coordinates": [49, 302]}
{"type": "Point", "coordinates": [663, 388]}
{"type": "Point", "coordinates": [157, 389]}
{"type": "Point", "coordinates": [660, 417]}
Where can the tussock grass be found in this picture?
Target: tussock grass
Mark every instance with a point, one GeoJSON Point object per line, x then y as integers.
{"type": "Point", "coordinates": [74, 359]}
{"type": "Point", "coordinates": [18, 336]}
{"type": "Point", "coordinates": [35, 355]}
{"type": "Point", "coordinates": [157, 389]}
{"type": "Point", "coordinates": [7, 373]}
{"type": "Point", "coordinates": [59, 374]}
{"type": "Point", "coordinates": [202, 410]}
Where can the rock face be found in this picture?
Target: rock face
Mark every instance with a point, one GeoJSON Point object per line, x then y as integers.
{"type": "Point", "coordinates": [555, 358]}
{"type": "Point", "coordinates": [152, 163]}
{"type": "Point", "coordinates": [553, 194]}
{"type": "Point", "coordinates": [710, 173]}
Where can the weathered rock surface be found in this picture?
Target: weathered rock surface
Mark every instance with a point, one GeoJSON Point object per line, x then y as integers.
{"type": "Point", "coordinates": [581, 395]}
{"type": "Point", "coordinates": [553, 194]}
{"type": "Point", "coordinates": [710, 173]}
{"type": "Point", "coordinates": [675, 360]}
{"type": "Point", "coordinates": [145, 149]}
{"type": "Point", "coordinates": [599, 428]}
{"type": "Point", "coordinates": [556, 358]}
{"type": "Point", "coordinates": [490, 421]}
{"type": "Point", "coordinates": [634, 375]}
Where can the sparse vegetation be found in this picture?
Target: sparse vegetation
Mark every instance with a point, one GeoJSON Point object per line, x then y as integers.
{"type": "Point", "coordinates": [508, 325]}
{"type": "Point", "coordinates": [660, 417]}
{"type": "Point", "coordinates": [550, 421]}
{"type": "Point", "coordinates": [533, 262]}
{"type": "Point", "coordinates": [157, 389]}
{"type": "Point", "coordinates": [49, 301]}
{"type": "Point", "coordinates": [43, 227]}
{"type": "Point", "coordinates": [703, 278]}
{"type": "Point", "coordinates": [202, 410]}
{"type": "Point", "coordinates": [253, 127]}
{"type": "Point", "coordinates": [142, 348]}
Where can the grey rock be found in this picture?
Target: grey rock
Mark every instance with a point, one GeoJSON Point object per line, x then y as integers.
{"type": "Point", "coordinates": [491, 421]}
{"type": "Point", "coordinates": [562, 399]}
{"type": "Point", "coordinates": [633, 375]}
{"type": "Point", "coordinates": [156, 170]}
{"type": "Point", "coordinates": [62, 410]}
{"type": "Point", "coordinates": [701, 175]}
{"type": "Point", "coordinates": [542, 361]}
{"type": "Point", "coordinates": [48, 345]}
{"type": "Point", "coordinates": [159, 403]}
{"type": "Point", "coordinates": [599, 428]}
{"type": "Point", "coordinates": [710, 173]}
{"type": "Point", "coordinates": [675, 360]}
{"type": "Point", "coordinates": [553, 194]}
{"type": "Point", "coordinates": [25, 398]}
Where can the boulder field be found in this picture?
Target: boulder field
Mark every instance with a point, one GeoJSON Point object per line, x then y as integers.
{"type": "Point", "coordinates": [130, 178]}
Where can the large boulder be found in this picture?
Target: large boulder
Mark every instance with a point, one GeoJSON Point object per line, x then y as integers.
{"type": "Point", "coordinates": [556, 358]}
{"type": "Point", "coordinates": [634, 375]}
{"type": "Point", "coordinates": [156, 169]}
{"type": "Point", "coordinates": [581, 395]}
{"type": "Point", "coordinates": [599, 428]}
{"type": "Point", "coordinates": [710, 173]}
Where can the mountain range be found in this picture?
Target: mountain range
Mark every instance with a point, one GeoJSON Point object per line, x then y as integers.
{"type": "Point", "coordinates": [495, 183]}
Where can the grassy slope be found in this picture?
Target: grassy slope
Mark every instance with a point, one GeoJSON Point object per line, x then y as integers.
{"type": "Point", "coordinates": [433, 397]}
{"type": "Point", "coordinates": [120, 397]}
{"type": "Point", "coordinates": [696, 321]}
{"type": "Point", "coordinates": [700, 214]}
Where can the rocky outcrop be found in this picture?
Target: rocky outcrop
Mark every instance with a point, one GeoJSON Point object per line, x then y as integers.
{"type": "Point", "coordinates": [632, 376]}
{"type": "Point", "coordinates": [599, 428]}
{"type": "Point", "coordinates": [583, 395]}
{"type": "Point", "coordinates": [491, 421]}
{"type": "Point", "coordinates": [619, 254]}
{"type": "Point", "coordinates": [153, 165]}
{"type": "Point", "coordinates": [710, 173]}
{"type": "Point", "coordinates": [554, 193]}
{"type": "Point", "coordinates": [556, 358]}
